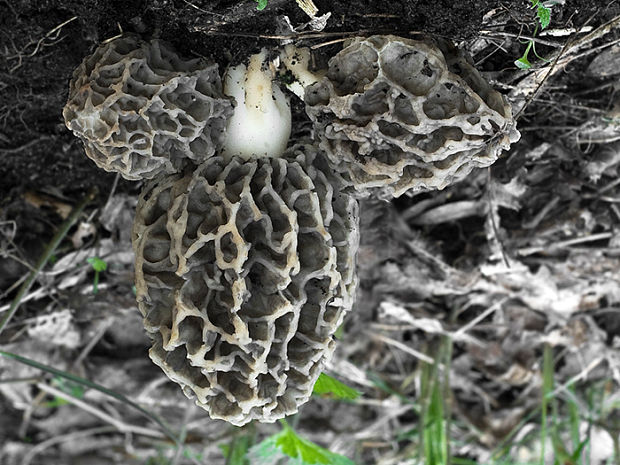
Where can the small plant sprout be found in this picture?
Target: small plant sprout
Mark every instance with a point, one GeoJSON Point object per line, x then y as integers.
{"type": "Point", "coordinates": [98, 265]}
{"type": "Point", "coordinates": [287, 448]}
{"type": "Point", "coordinates": [543, 13]}
{"type": "Point", "coordinates": [261, 122]}
{"type": "Point", "coordinates": [261, 4]}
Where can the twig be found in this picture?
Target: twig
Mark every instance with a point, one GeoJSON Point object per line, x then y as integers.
{"type": "Point", "coordinates": [329, 42]}
{"type": "Point", "coordinates": [47, 253]}
{"type": "Point", "coordinates": [308, 7]}
{"type": "Point", "coordinates": [40, 43]}
{"type": "Point", "coordinates": [534, 222]}
{"type": "Point", "coordinates": [494, 219]}
{"type": "Point", "coordinates": [29, 380]}
{"type": "Point", "coordinates": [491, 53]}
{"type": "Point", "coordinates": [85, 382]}
{"type": "Point", "coordinates": [118, 424]}
{"type": "Point", "coordinates": [63, 438]}
{"type": "Point", "coordinates": [399, 345]}
{"type": "Point", "coordinates": [370, 431]}
{"type": "Point", "coordinates": [303, 35]}
{"type": "Point", "coordinates": [189, 410]}
{"type": "Point", "coordinates": [27, 415]}
{"type": "Point", "coordinates": [482, 316]}
{"type": "Point", "coordinates": [103, 327]}
{"type": "Point", "coordinates": [112, 191]}
{"type": "Point", "coordinates": [560, 245]}
{"type": "Point", "coordinates": [579, 376]}
{"type": "Point", "coordinates": [489, 34]}
{"type": "Point", "coordinates": [34, 295]}
{"type": "Point", "coordinates": [201, 9]}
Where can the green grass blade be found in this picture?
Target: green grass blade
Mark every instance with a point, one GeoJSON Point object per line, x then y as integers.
{"type": "Point", "coordinates": [548, 372]}
{"type": "Point", "coordinates": [435, 414]}
{"type": "Point", "coordinates": [573, 415]}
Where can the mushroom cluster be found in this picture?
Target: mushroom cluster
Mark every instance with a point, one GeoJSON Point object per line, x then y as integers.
{"type": "Point", "coordinates": [246, 249]}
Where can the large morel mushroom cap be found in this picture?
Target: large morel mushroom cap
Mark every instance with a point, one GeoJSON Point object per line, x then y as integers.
{"type": "Point", "coordinates": [395, 114]}
{"type": "Point", "coordinates": [244, 271]}
{"type": "Point", "coordinates": [141, 110]}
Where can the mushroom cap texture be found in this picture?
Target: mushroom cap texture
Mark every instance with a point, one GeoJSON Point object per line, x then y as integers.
{"type": "Point", "coordinates": [244, 271]}
{"type": "Point", "coordinates": [141, 110]}
{"type": "Point", "coordinates": [395, 114]}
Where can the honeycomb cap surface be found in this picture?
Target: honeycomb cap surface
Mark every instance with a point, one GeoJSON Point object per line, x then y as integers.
{"type": "Point", "coordinates": [395, 114]}
{"type": "Point", "coordinates": [244, 271]}
{"type": "Point", "coordinates": [141, 110]}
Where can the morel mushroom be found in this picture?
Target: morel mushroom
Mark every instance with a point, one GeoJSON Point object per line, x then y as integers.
{"type": "Point", "coordinates": [141, 110]}
{"type": "Point", "coordinates": [244, 271]}
{"type": "Point", "coordinates": [395, 114]}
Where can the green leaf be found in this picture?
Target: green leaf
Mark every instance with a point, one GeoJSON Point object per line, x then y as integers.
{"type": "Point", "coordinates": [261, 4]}
{"type": "Point", "coordinates": [326, 386]}
{"type": "Point", "coordinates": [97, 264]}
{"type": "Point", "coordinates": [544, 15]}
{"type": "Point", "coordinates": [286, 448]}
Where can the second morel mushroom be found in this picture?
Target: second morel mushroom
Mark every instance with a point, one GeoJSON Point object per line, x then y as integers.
{"type": "Point", "coordinates": [244, 271]}
{"type": "Point", "coordinates": [396, 114]}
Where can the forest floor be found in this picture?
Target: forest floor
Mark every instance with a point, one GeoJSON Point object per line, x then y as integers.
{"type": "Point", "coordinates": [488, 314]}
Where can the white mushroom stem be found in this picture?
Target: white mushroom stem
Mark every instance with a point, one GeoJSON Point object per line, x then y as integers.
{"type": "Point", "coordinates": [297, 61]}
{"type": "Point", "coordinates": [261, 123]}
